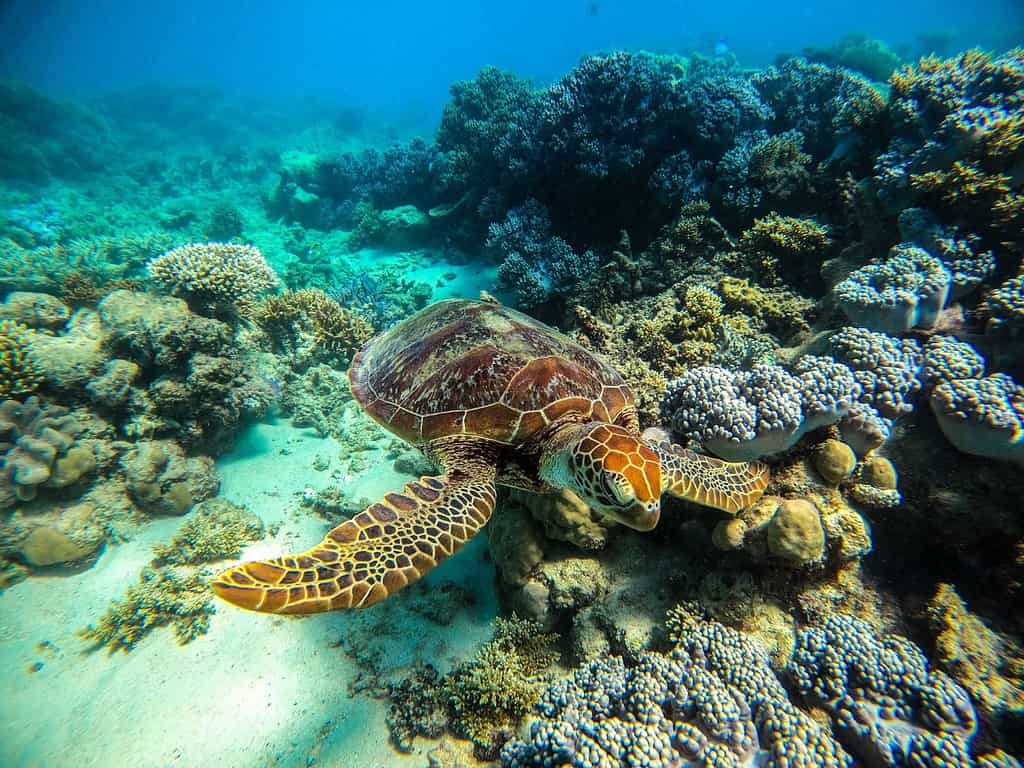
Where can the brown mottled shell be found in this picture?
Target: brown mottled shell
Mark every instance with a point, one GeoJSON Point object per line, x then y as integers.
{"type": "Point", "coordinates": [473, 368]}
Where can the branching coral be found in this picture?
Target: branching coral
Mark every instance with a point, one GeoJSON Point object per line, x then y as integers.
{"type": "Point", "coordinates": [163, 596]}
{"type": "Point", "coordinates": [214, 272]}
{"type": "Point", "coordinates": [490, 694]}
{"type": "Point", "coordinates": [781, 310]}
{"type": "Point", "coordinates": [333, 328]}
{"type": "Point", "coordinates": [20, 373]}
{"type": "Point", "coordinates": [786, 248]}
{"type": "Point", "coordinates": [216, 530]}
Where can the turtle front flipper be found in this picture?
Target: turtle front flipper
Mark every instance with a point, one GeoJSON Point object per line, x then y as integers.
{"type": "Point", "coordinates": [725, 485]}
{"type": "Point", "coordinates": [385, 547]}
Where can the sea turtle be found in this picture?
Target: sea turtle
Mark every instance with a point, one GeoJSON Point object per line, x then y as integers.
{"type": "Point", "coordinates": [492, 397]}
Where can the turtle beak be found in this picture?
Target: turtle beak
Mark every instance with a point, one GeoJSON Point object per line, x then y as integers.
{"type": "Point", "coordinates": [640, 517]}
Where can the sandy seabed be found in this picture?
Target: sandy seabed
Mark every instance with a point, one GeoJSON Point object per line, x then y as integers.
{"type": "Point", "coordinates": [255, 690]}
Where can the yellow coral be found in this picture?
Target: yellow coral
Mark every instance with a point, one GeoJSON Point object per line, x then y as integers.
{"type": "Point", "coordinates": [19, 369]}
{"type": "Point", "coordinates": [776, 307]}
{"type": "Point", "coordinates": [784, 244]}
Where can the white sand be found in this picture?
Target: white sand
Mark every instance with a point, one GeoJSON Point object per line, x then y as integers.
{"type": "Point", "coordinates": [255, 690]}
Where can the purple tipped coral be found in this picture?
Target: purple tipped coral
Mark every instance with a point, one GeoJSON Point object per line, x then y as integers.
{"type": "Point", "coordinates": [888, 707]}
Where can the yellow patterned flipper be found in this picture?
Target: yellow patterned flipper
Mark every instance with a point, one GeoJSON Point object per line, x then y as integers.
{"type": "Point", "coordinates": [725, 485]}
{"type": "Point", "coordinates": [384, 548]}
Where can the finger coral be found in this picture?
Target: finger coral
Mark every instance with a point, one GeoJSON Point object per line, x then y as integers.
{"type": "Point", "coordinates": [907, 290]}
{"type": "Point", "coordinates": [713, 701]}
{"type": "Point", "coordinates": [214, 272]}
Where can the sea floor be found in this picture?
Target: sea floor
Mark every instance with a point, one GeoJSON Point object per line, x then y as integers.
{"type": "Point", "coordinates": [255, 690]}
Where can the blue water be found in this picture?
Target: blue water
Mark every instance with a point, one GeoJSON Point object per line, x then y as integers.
{"type": "Point", "coordinates": [785, 235]}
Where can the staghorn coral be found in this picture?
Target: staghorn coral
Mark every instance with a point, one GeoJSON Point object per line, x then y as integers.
{"type": "Point", "coordinates": [213, 273]}
{"type": "Point", "coordinates": [713, 701]}
{"type": "Point", "coordinates": [20, 373]}
{"type": "Point", "coordinates": [164, 595]}
{"type": "Point", "coordinates": [490, 694]}
{"type": "Point", "coordinates": [216, 530]}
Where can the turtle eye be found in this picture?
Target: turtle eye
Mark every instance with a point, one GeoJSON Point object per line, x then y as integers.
{"type": "Point", "coordinates": [618, 488]}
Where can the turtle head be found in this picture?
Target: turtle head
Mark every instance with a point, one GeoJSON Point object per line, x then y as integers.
{"type": "Point", "coordinates": [615, 473]}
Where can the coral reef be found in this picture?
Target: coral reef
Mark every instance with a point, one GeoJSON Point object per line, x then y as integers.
{"type": "Point", "coordinates": [888, 707]}
{"type": "Point", "coordinates": [491, 693]}
{"type": "Point", "coordinates": [216, 529]}
{"type": "Point", "coordinates": [907, 290]}
{"type": "Point", "coordinates": [213, 273]}
{"type": "Point", "coordinates": [38, 449]}
{"type": "Point", "coordinates": [19, 367]}
{"type": "Point", "coordinates": [163, 596]}
{"type": "Point", "coordinates": [983, 417]}
{"type": "Point", "coordinates": [713, 701]}
{"type": "Point", "coordinates": [742, 415]}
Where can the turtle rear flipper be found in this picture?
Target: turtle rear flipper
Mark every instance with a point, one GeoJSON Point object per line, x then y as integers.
{"type": "Point", "coordinates": [385, 547]}
{"type": "Point", "coordinates": [725, 485]}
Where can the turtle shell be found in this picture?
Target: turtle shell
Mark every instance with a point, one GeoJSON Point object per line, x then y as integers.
{"type": "Point", "coordinates": [480, 369]}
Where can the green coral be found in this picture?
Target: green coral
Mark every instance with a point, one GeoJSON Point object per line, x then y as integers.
{"type": "Point", "coordinates": [777, 309]}
{"type": "Point", "coordinates": [164, 595]}
{"type": "Point", "coordinates": [20, 373]}
{"type": "Point", "coordinates": [490, 694]}
{"type": "Point", "coordinates": [786, 248]}
{"type": "Point", "coordinates": [217, 529]}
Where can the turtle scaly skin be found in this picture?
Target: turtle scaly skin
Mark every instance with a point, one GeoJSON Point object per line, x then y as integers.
{"type": "Point", "coordinates": [493, 397]}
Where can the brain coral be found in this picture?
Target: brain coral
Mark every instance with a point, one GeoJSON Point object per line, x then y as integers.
{"type": "Point", "coordinates": [214, 272]}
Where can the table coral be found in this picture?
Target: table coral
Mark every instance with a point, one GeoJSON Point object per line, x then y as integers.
{"type": "Point", "coordinates": [213, 273]}
{"type": "Point", "coordinates": [162, 596]}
